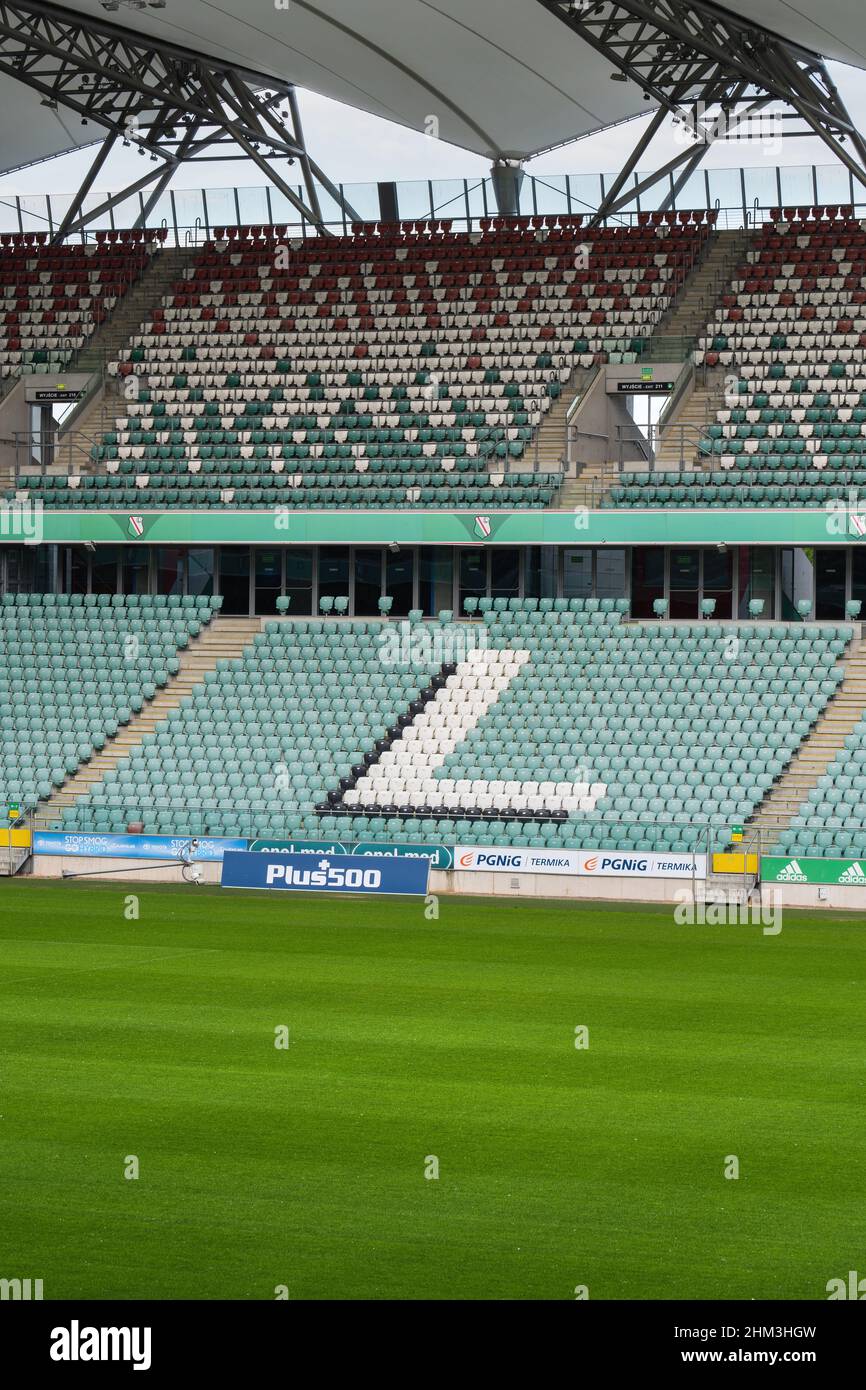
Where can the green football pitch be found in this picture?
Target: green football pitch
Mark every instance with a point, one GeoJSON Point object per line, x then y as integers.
{"type": "Point", "coordinates": [415, 1044]}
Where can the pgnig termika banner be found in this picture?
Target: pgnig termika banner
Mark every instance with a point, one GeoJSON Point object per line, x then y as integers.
{"type": "Point", "coordinates": [342, 873]}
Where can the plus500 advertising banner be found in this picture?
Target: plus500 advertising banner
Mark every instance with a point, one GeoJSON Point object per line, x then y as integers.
{"type": "Point", "coordinates": [342, 873]}
{"type": "Point", "coordinates": [589, 863]}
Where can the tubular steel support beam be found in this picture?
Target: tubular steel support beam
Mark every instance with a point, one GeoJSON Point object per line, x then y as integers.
{"type": "Point", "coordinates": [609, 203]}
{"type": "Point", "coordinates": [164, 180]}
{"type": "Point", "coordinates": [170, 101]}
{"type": "Point", "coordinates": [77, 202]}
{"type": "Point", "coordinates": [686, 54]}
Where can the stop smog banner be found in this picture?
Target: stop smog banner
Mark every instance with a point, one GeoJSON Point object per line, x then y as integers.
{"type": "Point", "coordinates": [341, 873]}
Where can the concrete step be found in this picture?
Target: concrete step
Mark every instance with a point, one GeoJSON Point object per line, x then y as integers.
{"type": "Point", "coordinates": [587, 489]}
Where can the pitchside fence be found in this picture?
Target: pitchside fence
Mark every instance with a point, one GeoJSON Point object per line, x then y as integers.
{"type": "Point", "coordinates": [624, 835]}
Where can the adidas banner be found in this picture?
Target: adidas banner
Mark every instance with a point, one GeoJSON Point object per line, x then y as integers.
{"type": "Point", "coordinates": [850, 873]}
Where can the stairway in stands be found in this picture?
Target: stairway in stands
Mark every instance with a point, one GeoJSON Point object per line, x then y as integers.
{"type": "Point", "coordinates": [675, 334]}
{"type": "Point", "coordinates": [844, 710]}
{"type": "Point", "coordinates": [685, 321]}
{"type": "Point", "coordinates": [550, 448]}
{"type": "Point", "coordinates": [98, 413]}
{"type": "Point", "coordinates": [694, 305]}
{"type": "Point", "coordinates": [587, 489]}
{"type": "Point", "coordinates": [678, 445]}
{"type": "Point", "coordinates": [223, 638]}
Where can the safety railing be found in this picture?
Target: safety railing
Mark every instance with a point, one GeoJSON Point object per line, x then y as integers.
{"type": "Point", "coordinates": [14, 856]}
{"type": "Point", "coordinates": [739, 197]}
{"type": "Point", "coordinates": [233, 816]}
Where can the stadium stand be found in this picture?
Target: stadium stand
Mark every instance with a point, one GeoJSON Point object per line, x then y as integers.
{"type": "Point", "coordinates": [789, 336]}
{"type": "Point", "coordinates": [73, 670]}
{"type": "Point", "coordinates": [558, 723]}
{"type": "Point", "coordinates": [411, 366]}
{"type": "Point", "coordinates": [401, 367]}
{"type": "Point", "coordinates": [53, 298]}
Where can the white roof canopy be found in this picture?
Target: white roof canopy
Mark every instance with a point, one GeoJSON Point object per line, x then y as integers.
{"type": "Point", "coordinates": [502, 78]}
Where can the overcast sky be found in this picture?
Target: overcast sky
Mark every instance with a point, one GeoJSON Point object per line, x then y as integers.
{"type": "Point", "coordinates": [354, 147]}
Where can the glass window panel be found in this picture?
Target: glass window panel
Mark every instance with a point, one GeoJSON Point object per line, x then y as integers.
{"type": "Point", "coordinates": [436, 580]}
{"type": "Point", "coordinates": [299, 581]}
{"type": "Point", "coordinates": [756, 579]}
{"type": "Point", "coordinates": [364, 198]}
{"type": "Point", "coordinates": [479, 199]}
{"type": "Point", "coordinates": [253, 203]}
{"type": "Point", "coordinates": [368, 582]}
{"type": "Point", "coordinates": [504, 573]}
{"type": "Point", "coordinates": [539, 572]}
{"type": "Point", "coordinates": [761, 187]}
{"type": "Point", "coordinates": [125, 214]}
{"type": "Point", "coordinates": [161, 213]}
{"type": "Point", "coordinates": [830, 584]}
{"type": "Point", "coordinates": [693, 194]}
{"type": "Point", "coordinates": [647, 579]}
{"type": "Point", "coordinates": [235, 579]}
{"type": "Point", "coordinates": [75, 579]}
{"type": "Point", "coordinates": [103, 570]}
{"type": "Point", "coordinates": [473, 575]}
{"type": "Point", "coordinates": [413, 200]}
{"type": "Point", "coordinates": [448, 199]}
{"type": "Point", "coordinates": [726, 190]}
{"type": "Point", "coordinates": [685, 569]}
{"type": "Point", "coordinates": [12, 569]}
{"type": "Point", "coordinates": [550, 194]}
{"type": "Point", "coordinates": [610, 578]}
{"type": "Point", "coordinates": [42, 558]}
{"type": "Point", "coordinates": [221, 210]}
{"type": "Point", "coordinates": [655, 195]}
{"type": "Point", "coordinates": [334, 571]}
{"type": "Point", "coordinates": [170, 569]}
{"type": "Point", "coordinates": [577, 573]}
{"type": "Point", "coordinates": [188, 207]}
{"type": "Point", "coordinates": [797, 580]}
{"type": "Point", "coordinates": [586, 191]}
{"type": "Point", "coordinates": [858, 578]}
{"type": "Point", "coordinates": [200, 571]}
{"type": "Point", "coordinates": [269, 563]}
{"type": "Point", "coordinates": [399, 580]}
{"type": "Point", "coordinates": [834, 184]}
{"type": "Point", "coordinates": [34, 214]}
{"type": "Point", "coordinates": [797, 187]}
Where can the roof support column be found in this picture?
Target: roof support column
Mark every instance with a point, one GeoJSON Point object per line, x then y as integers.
{"type": "Point", "coordinates": [507, 177]}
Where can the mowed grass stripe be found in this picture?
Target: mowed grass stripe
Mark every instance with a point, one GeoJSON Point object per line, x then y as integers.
{"type": "Point", "coordinates": [410, 1037]}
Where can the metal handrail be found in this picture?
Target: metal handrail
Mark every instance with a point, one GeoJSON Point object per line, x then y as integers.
{"type": "Point", "coordinates": [706, 834]}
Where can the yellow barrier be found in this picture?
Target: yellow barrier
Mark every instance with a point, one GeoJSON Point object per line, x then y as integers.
{"type": "Point", "coordinates": [20, 838]}
{"type": "Point", "coordinates": [733, 863]}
